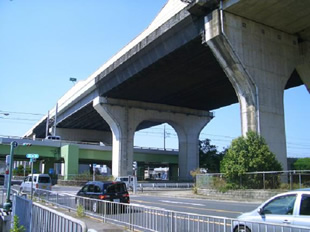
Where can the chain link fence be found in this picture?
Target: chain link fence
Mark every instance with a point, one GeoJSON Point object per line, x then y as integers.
{"type": "Point", "coordinates": [292, 179]}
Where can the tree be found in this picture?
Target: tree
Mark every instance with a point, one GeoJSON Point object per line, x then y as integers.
{"type": "Point", "coordinates": [302, 164]}
{"type": "Point", "coordinates": [248, 154]}
{"type": "Point", "coordinates": [209, 157]}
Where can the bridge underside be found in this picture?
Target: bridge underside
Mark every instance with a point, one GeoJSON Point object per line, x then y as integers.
{"type": "Point", "coordinates": [188, 77]}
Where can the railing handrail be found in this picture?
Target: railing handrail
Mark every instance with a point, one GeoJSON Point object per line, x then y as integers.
{"type": "Point", "coordinates": [67, 217]}
{"type": "Point", "coordinates": [156, 211]}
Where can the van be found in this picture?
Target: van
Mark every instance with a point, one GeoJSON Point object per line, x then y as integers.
{"type": "Point", "coordinates": [130, 181]}
{"type": "Point", "coordinates": [40, 181]}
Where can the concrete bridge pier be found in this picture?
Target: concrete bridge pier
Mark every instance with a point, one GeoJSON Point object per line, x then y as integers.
{"type": "Point", "coordinates": [124, 118]}
{"type": "Point", "coordinates": [303, 68]}
{"type": "Point", "coordinates": [122, 135]}
{"type": "Point", "coordinates": [258, 60]}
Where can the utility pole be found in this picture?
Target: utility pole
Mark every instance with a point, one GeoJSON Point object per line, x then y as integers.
{"type": "Point", "coordinates": [7, 206]}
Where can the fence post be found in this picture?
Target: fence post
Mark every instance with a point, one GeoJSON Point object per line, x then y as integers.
{"type": "Point", "coordinates": [291, 181]}
{"type": "Point", "coordinates": [104, 211]}
{"type": "Point", "coordinates": [264, 180]}
{"type": "Point", "coordinates": [172, 227]}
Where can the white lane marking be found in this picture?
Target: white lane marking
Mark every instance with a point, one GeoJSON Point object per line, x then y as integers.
{"type": "Point", "coordinates": [183, 203]}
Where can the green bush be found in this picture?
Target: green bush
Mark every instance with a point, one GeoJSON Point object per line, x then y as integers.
{"type": "Point", "coordinates": [80, 212]}
{"type": "Point", "coordinates": [16, 227]}
{"type": "Point", "coordinates": [248, 154]}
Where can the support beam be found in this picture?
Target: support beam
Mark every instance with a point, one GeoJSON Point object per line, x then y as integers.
{"type": "Point", "coordinates": [85, 135]}
{"type": "Point", "coordinates": [124, 117]}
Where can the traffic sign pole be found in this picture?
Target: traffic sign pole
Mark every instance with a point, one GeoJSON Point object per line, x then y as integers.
{"type": "Point", "coordinates": [32, 158]}
{"type": "Point", "coordinates": [31, 178]}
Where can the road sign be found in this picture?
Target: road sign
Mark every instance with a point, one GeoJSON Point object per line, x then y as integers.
{"type": "Point", "coordinates": [14, 144]}
{"type": "Point", "coordinates": [32, 156]}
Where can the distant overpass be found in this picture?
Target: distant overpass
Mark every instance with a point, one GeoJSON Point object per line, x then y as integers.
{"type": "Point", "coordinates": [196, 56]}
{"type": "Point", "coordinates": [72, 154]}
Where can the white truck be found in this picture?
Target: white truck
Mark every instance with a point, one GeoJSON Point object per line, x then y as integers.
{"type": "Point", "coordinates": [130, 181]}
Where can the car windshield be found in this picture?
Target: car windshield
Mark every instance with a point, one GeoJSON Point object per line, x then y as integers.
{"type": "Point", "coordinates": [44, 179]}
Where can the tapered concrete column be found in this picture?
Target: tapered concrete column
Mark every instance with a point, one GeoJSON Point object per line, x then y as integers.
{"type": "Point", "coordinates": [117, 117]}
{"type": "Point", "coordinates": [124, 116]}
{"type": "Point", "coordinates": [188, 133]}
{"type": "Point", "coordinates": [258, 61]}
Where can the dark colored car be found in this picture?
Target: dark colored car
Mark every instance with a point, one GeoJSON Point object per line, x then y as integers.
{"type": "Point", "coordinates": [105, 190]}
{"type": "Point", "coordinates": [102, 190]}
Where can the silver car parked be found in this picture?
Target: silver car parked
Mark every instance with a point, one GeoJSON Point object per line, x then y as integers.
{"type": "Point", "coordinates": [290, 208]}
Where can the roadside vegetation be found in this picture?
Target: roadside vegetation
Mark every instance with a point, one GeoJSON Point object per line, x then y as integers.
{"type": "Point", "coordinates": [246, 154]}
{"type": "Point", "coordinates": [16, 227]}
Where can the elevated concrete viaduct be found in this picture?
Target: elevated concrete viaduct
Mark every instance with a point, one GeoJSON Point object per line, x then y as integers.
{"type": "Point", "coordinates": [196, 56]}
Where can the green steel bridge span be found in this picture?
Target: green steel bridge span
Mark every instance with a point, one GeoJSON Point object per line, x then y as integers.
{"type": "Point", "coordinates": [72, 154]}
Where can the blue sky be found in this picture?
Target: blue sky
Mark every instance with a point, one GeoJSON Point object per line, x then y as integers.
{"type": "Point", "coordinates": [44, 43]}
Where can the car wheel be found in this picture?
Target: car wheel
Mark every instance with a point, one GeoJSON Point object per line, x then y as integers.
{"type": "Point", "coordinates": [241, 228]}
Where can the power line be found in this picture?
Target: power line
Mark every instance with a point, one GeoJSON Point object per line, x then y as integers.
{"type": "Point", "coordinates": [19, 119]}
{"type": "Point", "coordinates": [12, 112]}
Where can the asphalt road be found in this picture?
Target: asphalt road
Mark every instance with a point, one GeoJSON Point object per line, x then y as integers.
{"type": "Point", "coordinates": [187, 204]}
{"type": "Point", "coordinates": [198, 206]}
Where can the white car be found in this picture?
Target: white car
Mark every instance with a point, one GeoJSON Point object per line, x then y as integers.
{"type": "Point", "coordinates": [40, 181]}
{"type": "Point", "coordinates": [289, 208]}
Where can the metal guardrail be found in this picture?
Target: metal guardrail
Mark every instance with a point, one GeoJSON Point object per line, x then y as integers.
{"type": "Point", "coordinates": [46, 219]}
{"type": "Point", "coordinates": [153, 186]}
{"type": "Point", "coordinates": [145, 218]}
{"type": "Point", "coordinates": [36, 217]}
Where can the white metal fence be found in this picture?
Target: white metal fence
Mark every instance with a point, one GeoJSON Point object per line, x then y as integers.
{"type": "Point", "coordinates": [45, 219]}
{"type": "Point", "coordinates": [156, 186]}
{"type": "Point", "coordinates": [36, 217]}
{"type": "Point", "coordinates": [136, 217]}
